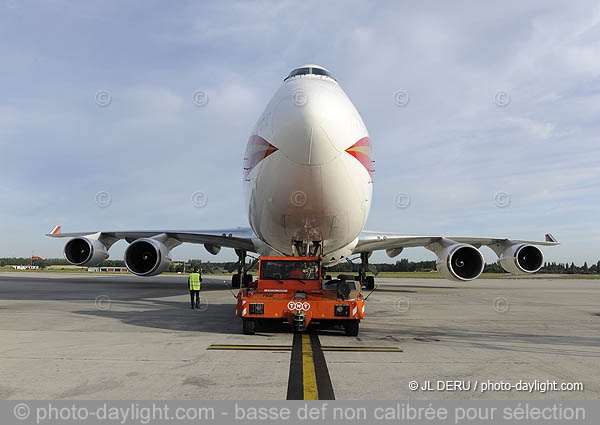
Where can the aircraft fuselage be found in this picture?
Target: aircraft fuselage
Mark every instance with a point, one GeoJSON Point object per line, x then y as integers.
{"type": "Point", "coordinates": [307, 170]}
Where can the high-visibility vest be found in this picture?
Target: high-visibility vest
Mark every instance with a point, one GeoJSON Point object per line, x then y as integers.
{"type": "Point", "coordinates": [194, 281]}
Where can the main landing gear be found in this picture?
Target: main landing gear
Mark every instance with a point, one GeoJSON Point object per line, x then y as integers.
{"type": "Point", "coordinates": [241, 278]}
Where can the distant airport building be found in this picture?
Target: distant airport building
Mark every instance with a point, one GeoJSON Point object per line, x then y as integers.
{"type": "Point", "coordinates": [27, 267]}
{"type": "Point", "coordinates": [108, 269]}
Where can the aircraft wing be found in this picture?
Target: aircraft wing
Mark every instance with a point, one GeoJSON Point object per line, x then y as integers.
{"type": "Point", "coordinates": [237, 238]}
{"type": "Point", "coordinates": [373, 241]}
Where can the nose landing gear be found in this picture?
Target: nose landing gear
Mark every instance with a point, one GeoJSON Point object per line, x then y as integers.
{"type": "Point", "coordinates": [367, 281]}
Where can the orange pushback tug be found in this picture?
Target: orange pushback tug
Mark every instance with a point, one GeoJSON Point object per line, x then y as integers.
{"type": "Point", "coordinates": [293, 290]}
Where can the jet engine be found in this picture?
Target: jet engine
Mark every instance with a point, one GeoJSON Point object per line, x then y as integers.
{"type": "Point", "coordinates": [521, 259]}
{"type": "Point", "coordinates": [213, 249]}
{"type": "Point", "coordinates": [84, 251]}
{"type": "Point", "coordinates": [393, 252]}
{"type": "Point", "coordinates": [147, 257]}
{"type": "Point", "coordinates": [460, 262]}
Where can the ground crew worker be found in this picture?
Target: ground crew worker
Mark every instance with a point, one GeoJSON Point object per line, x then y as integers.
{"type": "Point", "coordinates": [194, 280]}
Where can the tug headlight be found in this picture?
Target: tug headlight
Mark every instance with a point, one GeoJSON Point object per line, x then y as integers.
{"type": "Point", "coordinates": [341, 310]}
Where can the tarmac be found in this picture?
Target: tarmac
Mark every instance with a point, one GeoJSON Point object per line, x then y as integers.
{"type": "Point", "coordinates": [107, 336]}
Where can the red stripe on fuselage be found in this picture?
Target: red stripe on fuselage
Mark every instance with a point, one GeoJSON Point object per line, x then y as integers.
{"type": "Point", "coordinates": [361, 150]}
{"type": "Point", "coordinates": [256, 150]}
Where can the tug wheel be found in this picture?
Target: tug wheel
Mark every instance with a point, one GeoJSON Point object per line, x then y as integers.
{"type": "Point", "coordinates": [248, 326]}
{"type": "Point", "coordinates": [351, 327]}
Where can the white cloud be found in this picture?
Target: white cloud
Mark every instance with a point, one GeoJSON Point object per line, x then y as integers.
{"type": "Point", "coordinates": [532, 129]}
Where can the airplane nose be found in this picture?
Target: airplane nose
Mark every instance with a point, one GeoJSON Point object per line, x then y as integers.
{"type": "Point", "coordinates": [299, 128]}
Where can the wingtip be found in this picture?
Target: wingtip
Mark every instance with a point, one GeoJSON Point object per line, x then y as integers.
{"type": "Point", "coordinates": [55, 231]}
{"type": "Point", "coordinates": [551, 238]}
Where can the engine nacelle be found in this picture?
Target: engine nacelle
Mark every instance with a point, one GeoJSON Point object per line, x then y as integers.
{"type": "Point", "coordinates": [213, 249]}
{"type": "Point", "coordinates": [460, 262]}
{"type": "Point", "coordinates": [393, 252]}
{"type": "Point", "coordinates": [147, 257]}
{"type": "Point", "coordinates": [521, 259]}
{"type": "Point", "coordinates": [84, 251]}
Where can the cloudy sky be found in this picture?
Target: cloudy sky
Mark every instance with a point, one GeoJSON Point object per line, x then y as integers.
{"type": "Point", "coordinates": [484, 117]}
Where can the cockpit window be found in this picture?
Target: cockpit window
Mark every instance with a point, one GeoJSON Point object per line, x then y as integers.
{"type": "Point", "coordinates": [299, 71]}
{"type": "Point", "coordinates": [309, 70]}
{"type": "Point", "coordinates": [319, 71]}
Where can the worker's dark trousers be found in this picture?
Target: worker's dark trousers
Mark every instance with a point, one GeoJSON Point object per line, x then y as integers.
{"type": "Point", "coordinates": [195, 294]}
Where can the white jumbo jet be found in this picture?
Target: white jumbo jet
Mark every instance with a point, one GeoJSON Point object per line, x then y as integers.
{"type": "Point", "coordinates": [308, 182]}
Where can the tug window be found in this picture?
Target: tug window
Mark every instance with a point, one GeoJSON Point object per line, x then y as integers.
{"type": "Point", "coordinates": [287, 269]}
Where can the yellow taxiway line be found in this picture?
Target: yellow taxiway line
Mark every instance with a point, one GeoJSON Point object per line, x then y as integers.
{"type": "Point", "coordinates": [309, 377]}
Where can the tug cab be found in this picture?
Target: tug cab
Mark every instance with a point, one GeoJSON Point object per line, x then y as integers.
{"type": "Point", "coordinates": [293, 290]}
